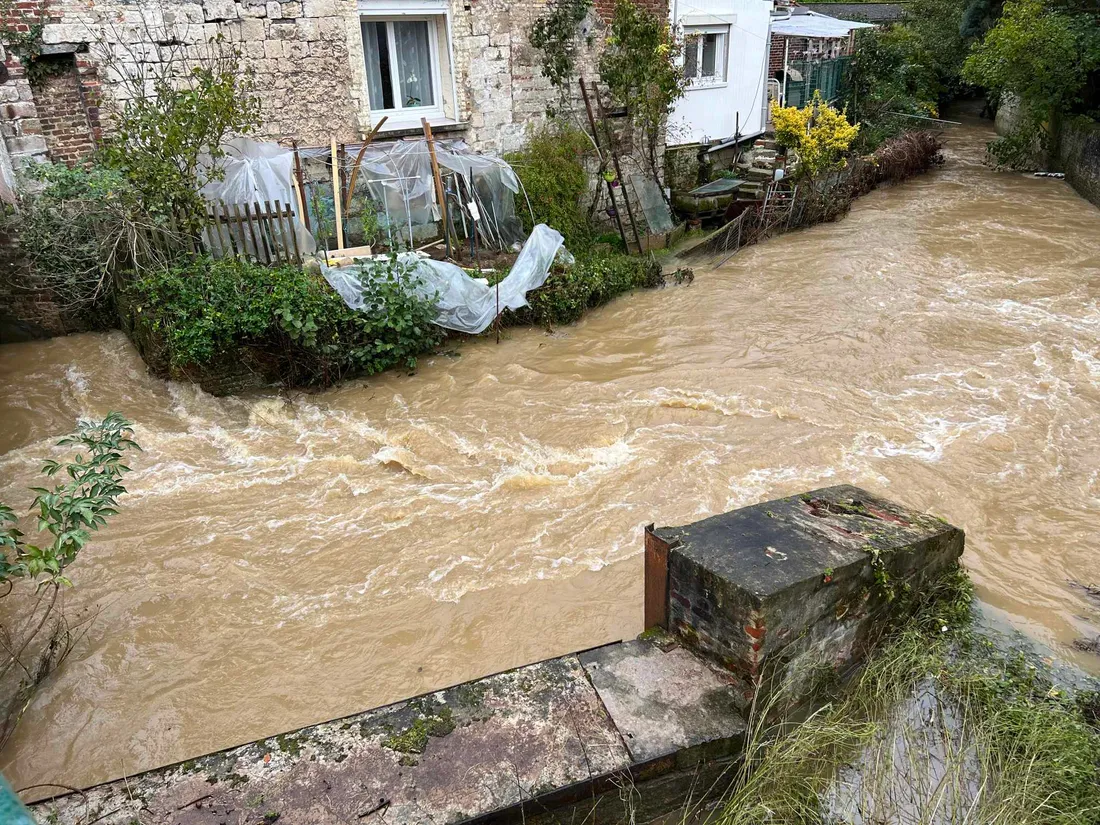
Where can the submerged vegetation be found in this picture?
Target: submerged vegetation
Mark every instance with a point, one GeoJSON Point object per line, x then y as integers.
{"type": "Point", "coordinates": [939, 726]}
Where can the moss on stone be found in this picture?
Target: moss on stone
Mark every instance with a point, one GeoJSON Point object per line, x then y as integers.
{"type": "Point", "coordinates": [289, 744]}
{"type": "Point", "coordinates": [414, 739]}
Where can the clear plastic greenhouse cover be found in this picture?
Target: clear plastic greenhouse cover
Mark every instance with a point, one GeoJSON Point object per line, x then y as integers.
{"type": "Point", "coordinates": [255, 172]}
{"type": "Point", "coordinates": [397, 178]}
{"type": "Point", "coordinates": [465, 304]}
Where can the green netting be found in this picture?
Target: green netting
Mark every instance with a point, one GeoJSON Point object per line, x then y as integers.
{"type": "Point", "coordinates": [826, 76]}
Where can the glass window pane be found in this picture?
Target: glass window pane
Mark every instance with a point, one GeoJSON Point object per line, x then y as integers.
{"type": "Point", "coordinates": [710, 54]}
{"type": "Point", "coordinates": [377, 54]}
{"type": "Point", "coordinates": [691, 56]}
{"type": "Point", "coordinates": [414, 63]}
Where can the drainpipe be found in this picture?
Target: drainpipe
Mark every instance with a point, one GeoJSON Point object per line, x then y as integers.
{"type": "Point", "coordinates": [786, 66]}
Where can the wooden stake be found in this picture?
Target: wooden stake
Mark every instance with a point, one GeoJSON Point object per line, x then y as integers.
{"type": "Point", "coordinates": [359, 159]}
{"type": "Point", "coordinates": [221, 209]}
{"type": "Point", "coordinates": [301, 187]}
{"type": "Point", "coordinates": [251, 231]}
{"type": "Point", "coordinates": [293, 232]}
{"type": "Point", "coordinates": [438, 179]}
{"type": "Point", "coordinates": [269, 231]}
{"type": "Point", "coordinates": [339, 212]}
{"type": "Point", "coordinates": [211, 216]}
{"type": "Point", "coordinates": [260, 222]}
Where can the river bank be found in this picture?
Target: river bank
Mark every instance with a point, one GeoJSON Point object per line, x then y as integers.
{"type": "Point", "coordinates": [938, 345]}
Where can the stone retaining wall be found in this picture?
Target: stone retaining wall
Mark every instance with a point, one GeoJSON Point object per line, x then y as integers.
{"type": "Point", "coordinates": [1079, 152]}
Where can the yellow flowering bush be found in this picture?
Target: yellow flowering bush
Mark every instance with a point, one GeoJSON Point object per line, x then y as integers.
{"type": "Point", "coordinates": [818, 132]}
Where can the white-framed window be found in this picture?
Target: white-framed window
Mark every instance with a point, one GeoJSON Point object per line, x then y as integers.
{"type": "Point", "coordinates": [406, 58]}
{"type": "Point", "coordinates": [705, 54]}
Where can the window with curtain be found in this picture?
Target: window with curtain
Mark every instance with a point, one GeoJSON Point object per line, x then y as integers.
{"type": "Point", "coordinates": [401, 63]}
{"type": "Point", "coordinates": [705, 54]}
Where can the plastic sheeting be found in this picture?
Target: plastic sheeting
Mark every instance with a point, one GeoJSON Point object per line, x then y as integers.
{"type": "Point", "coordinates": [465, 304]}
{"type": "Point", "coordinates": [396, 178]}
{"type": "Point", "coordinates": [255, 172]}
{"type": "Point", "coordinates": [813, 24]}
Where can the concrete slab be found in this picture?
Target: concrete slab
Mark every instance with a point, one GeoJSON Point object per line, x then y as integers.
{"type": "Point", "coordinates": [665, 699]}
{"type": "Point", "coordinates": [447, 757]}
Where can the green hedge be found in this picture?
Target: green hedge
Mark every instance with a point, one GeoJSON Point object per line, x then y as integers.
{"type": "Point", "coordinates": [230, 324]}
{"type": "Point", "coordinates": [592, 281]}
{"type": "Point", "coordinates": [551, 167]}
{"type": "Point", "coordinates": [204, 311]}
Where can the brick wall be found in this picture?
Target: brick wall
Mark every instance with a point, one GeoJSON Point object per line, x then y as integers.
{"type": "Point", "coordinates": [62, 113]}
{"type": "Point", "coordinates": [58, 117]}
{"type": "Point", "coordinates": [801, 48]}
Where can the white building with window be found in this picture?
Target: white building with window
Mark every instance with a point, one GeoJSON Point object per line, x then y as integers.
{"type": "Point", "coordinates": [726, 62]}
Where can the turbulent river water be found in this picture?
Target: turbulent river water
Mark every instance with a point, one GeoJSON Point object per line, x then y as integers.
{"type": "Point", "coordinates": [284, 559]}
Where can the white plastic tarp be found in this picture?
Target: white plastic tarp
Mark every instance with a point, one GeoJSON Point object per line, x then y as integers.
{"type": "Point", "coordinates": [256, 172]}
{"type": "Point", "coordinates": [813, 24]}
{"type": "Point", "coordinates": [465, 304]}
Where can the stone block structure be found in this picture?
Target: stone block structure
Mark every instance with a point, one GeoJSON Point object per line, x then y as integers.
{"type": "Point", "coordinates": [781, 590]}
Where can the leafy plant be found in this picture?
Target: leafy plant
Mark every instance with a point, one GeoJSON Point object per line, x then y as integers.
{"type": "Point", "coordinates": [590, 282]}
{"type": "Point", "coordinates": [1042, 55]}
{"type": "Point", "coordinates": [170, 119]}
{"type": "Point", "coordinates": [369, 224]}
{"type": "Point", "coordinates": [554, 34]}
{"type": "Point", "coordinates": [75, 507]}
{"type": "Point", "coordinates": [642, 68]}
{"type": "Point", "coordinates": [551, 168]}
{"type": "Point", "coordinates": [76, 229]}
{"type": "Point", "coordinates": [81, 501]}
{"type": "Point", "coordinates": [819, 134]}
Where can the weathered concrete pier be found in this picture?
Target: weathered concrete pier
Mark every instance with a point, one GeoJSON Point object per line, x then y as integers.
{"type": "Point", "coordinates": [738, 606]}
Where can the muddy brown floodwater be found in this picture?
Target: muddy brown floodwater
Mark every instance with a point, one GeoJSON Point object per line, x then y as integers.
{"type": "Point", "coordinates": [282, 560]}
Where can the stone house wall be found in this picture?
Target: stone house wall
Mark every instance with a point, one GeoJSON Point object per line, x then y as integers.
{"type": "Point", "coordinates": [307, 60]}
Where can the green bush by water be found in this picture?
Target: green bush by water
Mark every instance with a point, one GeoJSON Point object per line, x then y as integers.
{"type": "Point", "coordinates": [205, 309]}
{"type": "Point", "coordinates": [589, 283]}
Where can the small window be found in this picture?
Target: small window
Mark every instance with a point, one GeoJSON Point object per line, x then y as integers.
{"type": "Point", "coordinates": [705, 54]}
{"type": "Point", "coordinates": [402, 64]}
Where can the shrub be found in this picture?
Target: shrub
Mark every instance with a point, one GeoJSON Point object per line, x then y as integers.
{"type": "Point", "coordinates": [551, 168]}
{"type": "Point", "coordinates": [589, 283]}
{"type": "Point", "coordinates": [205, 310]}
{"type": "Point", "coordinates": [74, 229]}
{"type": "Point", "coordinates": [819, 133]}
{"type": "Point", "coordinates": [171, 117]}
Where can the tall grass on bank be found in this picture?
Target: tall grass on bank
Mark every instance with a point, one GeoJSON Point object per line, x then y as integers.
{"type": "Point", "coordinates": [938, 727]}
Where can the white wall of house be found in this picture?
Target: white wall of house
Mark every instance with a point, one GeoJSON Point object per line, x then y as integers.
{"type": "Point", "coordinates": [726, 57]}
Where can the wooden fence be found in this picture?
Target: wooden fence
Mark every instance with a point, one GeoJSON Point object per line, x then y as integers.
{"type": "Point", "coordinates": [266, 232]}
